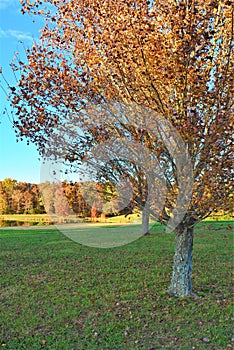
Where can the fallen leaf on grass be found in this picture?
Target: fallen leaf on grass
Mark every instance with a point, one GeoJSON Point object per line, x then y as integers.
{"type": "Point", "coordinates": [206, 340]}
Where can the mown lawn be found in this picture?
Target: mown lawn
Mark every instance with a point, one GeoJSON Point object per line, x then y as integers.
{"type": "Point", "coordinates": [57, 294]}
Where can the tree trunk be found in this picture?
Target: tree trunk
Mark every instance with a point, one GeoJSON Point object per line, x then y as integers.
{"type": "Point", "coordinates": [181, 281]}
{"type": "Point", "coordinates": [145, 220]}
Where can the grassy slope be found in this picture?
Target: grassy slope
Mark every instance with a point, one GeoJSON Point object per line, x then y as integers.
{"type": "Point", "coordinates": [56, 294]}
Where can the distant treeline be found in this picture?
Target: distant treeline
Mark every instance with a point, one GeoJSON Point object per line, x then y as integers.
{"type": "Point", "coordinates": [58, 198]}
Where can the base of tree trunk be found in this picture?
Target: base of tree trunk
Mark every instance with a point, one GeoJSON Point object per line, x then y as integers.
{"type": "Point", "coordinates": [181, 281]}
{"type": "Point", "coordinates": [190, 295]}
{"type": "Point", "coordinates": [146, 234]}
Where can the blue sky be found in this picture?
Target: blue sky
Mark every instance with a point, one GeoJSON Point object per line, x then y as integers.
{"type": "Point", "coordinates": [18, 160]}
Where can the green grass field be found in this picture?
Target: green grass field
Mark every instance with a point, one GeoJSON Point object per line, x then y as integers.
{"type": "Point", "coordinates": [57, 294]}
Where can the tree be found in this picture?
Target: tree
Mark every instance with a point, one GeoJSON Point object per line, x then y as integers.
{"type": "Point", "coordinates": [3, 203]}
{"type": "Point", "coordinates": [94, 213]}
{"type": "Point", "coordinates": [75, 199]}
{"type": "Point", "coordinates": [113, 164]}
{"type": "Point", "coordinates": [174, 58]}
{"type": "Point", "coordinates": [18, 201]}
{"type": "Point", "coordinates": [38, 207]}
{"type": "Point", "coordinates": [48, 191]}
{"type": "Point", "coordinates": [60, 203]}
{"type": "Point", "coordinates": [7, 188]}
{"type": "Point", "coordinates": [22, 198]}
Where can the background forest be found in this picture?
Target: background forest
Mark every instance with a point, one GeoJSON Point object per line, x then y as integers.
{"type": "Point", "coordinates": [60, 199]}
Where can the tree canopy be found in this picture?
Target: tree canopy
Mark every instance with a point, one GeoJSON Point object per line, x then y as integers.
{"type": "Point", "coordinates": [174, 58]}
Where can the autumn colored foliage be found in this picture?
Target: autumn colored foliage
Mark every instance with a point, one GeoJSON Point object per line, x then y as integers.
{"type": "Point", "coordinates": [61, 199]}
{"type": "Point", "coordinates": [173, 57]}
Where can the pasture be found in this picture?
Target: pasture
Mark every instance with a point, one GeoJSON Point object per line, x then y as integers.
{"type": "Point", "coordinates": [8, 220]}
{"type": "Point", "coordinates": [58, 294]}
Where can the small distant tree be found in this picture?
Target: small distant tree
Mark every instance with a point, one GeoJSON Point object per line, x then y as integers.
{"type": "Point", "coordinates": [18, 200]}
{"type": "Point", "coordinates": [93, 212]}
{"type": "Point", "coordinates": [48, 195]}
{"type": "Point", "coordinates": [60, 203]}
{"type": "Point", "coordinates": [3, 205]}
{"type": "Point", "coordinates": [8, 186]}
{"type": "Point", "coordinates": [117, 167]}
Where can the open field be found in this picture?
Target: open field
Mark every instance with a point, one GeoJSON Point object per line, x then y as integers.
{"type": "Point", "coordinates": [44, 219]}
{"type": "Point", "coordinates": [57, 294]}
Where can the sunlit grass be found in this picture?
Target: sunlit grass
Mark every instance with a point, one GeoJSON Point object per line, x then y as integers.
{"type": "Point", "coordinates": [57, 294]}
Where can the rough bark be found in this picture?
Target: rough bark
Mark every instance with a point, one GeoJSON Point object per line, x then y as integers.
{"type": "Point", "coordinates": [145, 220]}
{"type": "Point", "coordinates": [181, 281]}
